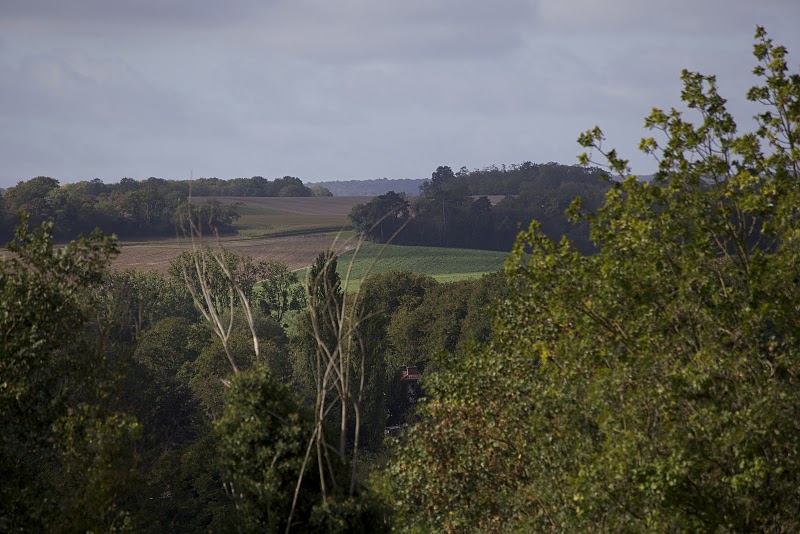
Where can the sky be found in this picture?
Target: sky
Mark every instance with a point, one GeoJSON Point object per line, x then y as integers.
{"type": "Point", "coordinates": [353, 89]}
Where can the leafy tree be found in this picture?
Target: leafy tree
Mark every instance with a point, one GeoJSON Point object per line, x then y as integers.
{"type": "Point", "coordinates": [441, 207]}
{"type": "Point", "coordinates": [65, 452]}
{"type": "Point", "coordinates": [382, 217]}
{"type": "Point", "coordinates": [211, 216]}
{"type": "Point", "coordinates": [206, 374]}
{"type": "Point", "coordinates": [320, 191]}
{"type": "Point", "coordinates": [384, 295]}
{"type": "Point", "coordinates": [652, 386]}
{"type": "Point", "coordinates": [280, 290]}
{"type": "Point", "coordinates": [265, 449]}
{"type": "Point", "coordinates": [31, 197]}
{"type": "Point", "coordinates": [289, 186]}
{"type": "Point", "coordinates": [5, 219]}
{"type": "Point", "coordinates": [127, 303]}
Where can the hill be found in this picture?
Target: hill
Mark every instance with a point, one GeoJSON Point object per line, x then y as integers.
{"type": "Point", "coordinates": [372, 188]}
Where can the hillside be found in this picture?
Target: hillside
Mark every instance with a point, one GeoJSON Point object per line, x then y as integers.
{"type": "Point", "coordinates": [371, 188]}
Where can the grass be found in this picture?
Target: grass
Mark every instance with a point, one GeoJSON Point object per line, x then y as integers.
{"type": "Point", "coordinates": [443, 264]}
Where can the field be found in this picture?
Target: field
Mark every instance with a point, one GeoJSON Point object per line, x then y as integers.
{"type": "Point", "coordinates": [443, 264]}
{"type": "Point", "coordinates": [295, 230]}
{"type": "Point", "coordinates": [290, 230]}
{"type": "Point", "coordinates": [274, 216]}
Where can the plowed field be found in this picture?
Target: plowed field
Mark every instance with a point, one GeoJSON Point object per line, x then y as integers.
{"type": "Point", "coordinates": [295, 251]}
{"type": "Point", "coordinates": [290, 230]}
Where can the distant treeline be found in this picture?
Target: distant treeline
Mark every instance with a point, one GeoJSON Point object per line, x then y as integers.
{"type": "Point", "coordinates": [492, 180]}
{"type": "Point", "coordinates": [453, 210]}
{"type": "Point", "coordinates": [130, 208]}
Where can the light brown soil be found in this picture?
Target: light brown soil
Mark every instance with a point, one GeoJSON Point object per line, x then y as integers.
{"type": "Point", "coordinates": [295, 251]}
{"type": "Point", "coordinates": [285, 214]}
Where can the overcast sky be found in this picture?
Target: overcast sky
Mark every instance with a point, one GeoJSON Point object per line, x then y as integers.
{"type": "Point", "coordinates": [352, 89]}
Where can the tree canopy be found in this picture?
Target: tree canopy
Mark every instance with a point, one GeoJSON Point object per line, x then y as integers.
{"type": "Point", "coordinates": [652, 386]}
{"type": "Point", "coordinates": [452, 208]}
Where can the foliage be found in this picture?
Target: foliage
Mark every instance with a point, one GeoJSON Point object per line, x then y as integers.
{"type": "Point", "coordinates": [449, 213]}
{"type": "Point", "coordinates": [263, 438]}
{"type": "Point", "coordinates": [129, 302]}
{"type": "Point", "coordinates": [280, 290]}
{"type": "Point", "coordinates": [320, 191]}
{"type": "Point", "coordinates": [211, 216]}
{"type": "Point", "coordinates": [207, 374]}
{"type": "Point", "coordinates": [382, 217]}
{"type": "Point", "coordinates": [384, 296]}
{"type": "Point", "coordinates": [151, 207]}
{"type": "Point", "coordinates": [65, 453]}
{"type": "Point", "coordinates": [265, 448]}
{"type": "Point", "coordinates": [652, 386]}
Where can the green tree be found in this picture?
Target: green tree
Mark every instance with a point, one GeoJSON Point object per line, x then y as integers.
{"type": "Point", "coordinates": [127, 303]}
{"type": "Point", "coordinates": [211, 216]}
{"type": "Point", "coordinates": [653, 385]}
{"type": "Point", "coordinates": [280, 290]}
{"type": "Point", "coordinates": [31, 197]}
{"type": "Point", "coordinates": [383, 295]}
{"type": "Point", "coordinates": [272, 467]}
{"type": "Point", "coordinates": [320, 191]}
{"type": "Point", "coordinates": [65, 453]}
{"type": "Point", "coordinates": [381, 218]}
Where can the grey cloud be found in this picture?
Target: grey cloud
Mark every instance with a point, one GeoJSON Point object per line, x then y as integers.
{"type": "Point", "coordinates": [68, 110]}
{"type": "Point", "coordinates": [345, 30]}
{"type": "Point", "coordinates": [76, 87]}
{"type": "Point", "coordinates": [687, 16]}
{"type": "Point", "coordinates": [103, 16]}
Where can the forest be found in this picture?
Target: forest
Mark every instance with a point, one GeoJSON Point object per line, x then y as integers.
{"type": "Point", "coordinates": [454, 210]}
{"type": "Point", "coordinates": [644, 380]}
{"type": "Point", "coordinates": [135, 208]}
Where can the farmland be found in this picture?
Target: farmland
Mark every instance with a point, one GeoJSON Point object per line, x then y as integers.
{"type": "Point", "coordinates": [443, 264]}
{"type": "Point", "coordinates": [295, 230]}
{"type": "Point", "coordinates": [289, 230]}
{"type": "Point", "coordinates": [281, 216]}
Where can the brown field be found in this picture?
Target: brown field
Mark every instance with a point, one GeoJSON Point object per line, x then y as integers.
{"type": "Point", "coordinates": [290, 230]}
{"type": "Point", "coordinates": [295, 251]}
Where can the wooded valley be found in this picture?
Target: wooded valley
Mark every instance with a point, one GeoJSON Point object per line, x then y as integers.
{"type": "Point", "coordinates": [634, 365]}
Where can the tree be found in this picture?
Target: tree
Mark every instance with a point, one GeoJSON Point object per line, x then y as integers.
{"type": "Point", "coordinates": [264, 447]}
{"type": "Point", "coordinates": [289, 186]}
{"type": "Point", "coordinates": [292, 466]}
{"type": "Point", "coordinates": [653, 385]}
{"type": "Point", "coordinates": [280, 289]}
{"type": "Point", "coordinates": [320, 191]}
{"type": "Point", "coordinates": [65, 453]}
{"type": "Point", "coordinates": [441, 179]}
{"type": "Point", "coordinates": [31, 197]}
{"type": "Point", "coordinates": [382, 218]}
{"type": "Point", "coordinates": [127, 303]}
{"type": "Point", "coordinates": [383, 295]}
{"type": "Point", "coordinates": [441, 205]}
{"type": "Point", "coordinates": [211, 215]}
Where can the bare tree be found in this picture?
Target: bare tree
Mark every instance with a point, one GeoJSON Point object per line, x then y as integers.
{"type": "Point", "coordinates": [339, 366]}
{"type": "Point", "coordinates": [197, 277]}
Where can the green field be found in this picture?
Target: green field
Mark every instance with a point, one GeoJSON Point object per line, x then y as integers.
{"type": "Point", "coordinates": [443, 264]}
